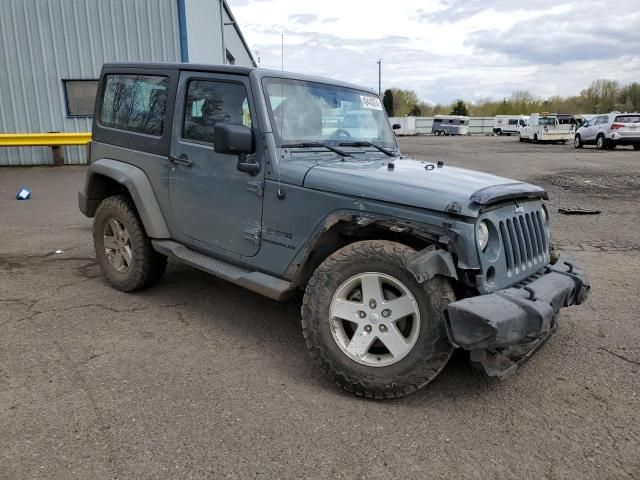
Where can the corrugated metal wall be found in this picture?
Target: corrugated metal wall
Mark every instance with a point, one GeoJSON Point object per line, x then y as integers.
{"type": "Point", "coordinates": [45, 41]}
{"type": "Point", "coordinates": [204, 31]}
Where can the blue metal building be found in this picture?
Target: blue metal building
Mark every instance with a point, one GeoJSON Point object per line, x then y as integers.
{"type": "Point", "coordinates": [51, 52]}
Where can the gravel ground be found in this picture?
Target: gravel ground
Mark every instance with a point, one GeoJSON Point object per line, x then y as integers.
{"type": "Point", "coordinates": [197, 378]}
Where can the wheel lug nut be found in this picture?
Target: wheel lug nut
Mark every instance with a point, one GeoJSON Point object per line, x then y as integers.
{"type": "Point", "coordinates": [372, 304]}
{"type": "Point", "coordinates": [383, 328]}
{"type": "Point", "coordinates": [362, 314]}
{"type": "Point", "coordinates": [367, 328]}
{"type": "Point", "coordinates": [386, 312]}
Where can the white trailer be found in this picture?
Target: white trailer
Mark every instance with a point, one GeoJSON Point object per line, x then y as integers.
{"type": "Point", "coordinates": [547, 127]}
{"type": "Point", "coordinates": [509, 124]}
{"type": "Point", "coordinates": [407, 125]}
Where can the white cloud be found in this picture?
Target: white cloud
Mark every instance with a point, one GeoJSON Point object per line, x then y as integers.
{"type": "Point", "coordinates": [446, 49]}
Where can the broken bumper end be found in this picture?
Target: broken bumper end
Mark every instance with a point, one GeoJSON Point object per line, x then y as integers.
{"type": "Point", "coordinates": [503, 329]}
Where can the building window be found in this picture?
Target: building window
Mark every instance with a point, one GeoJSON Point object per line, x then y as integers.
{"type": "Point", "coordinates": [136, 103]}
{"type": "Point", "coordinates": [80, 97]}
{"type": "Point", "coordinates": [231, 60]}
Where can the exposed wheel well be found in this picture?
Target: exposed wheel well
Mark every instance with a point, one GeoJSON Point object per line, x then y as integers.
{"type": "Point", "coordinates": [345, 232]}
{"type": "Point", "coordinates": [101, 187]}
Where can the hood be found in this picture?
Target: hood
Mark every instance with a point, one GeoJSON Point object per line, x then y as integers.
{"type": "Point", "coordinates": [418, 184]}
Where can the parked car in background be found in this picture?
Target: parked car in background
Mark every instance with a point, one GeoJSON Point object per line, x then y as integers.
{"type": "Point", "coordinates": [509, 124]}
{"type": "Point", "coordinates": [609, 131]}
{"type": "Point", "coordinates": [450, 125]}
{"type": "Point", "coordinates": [548, 128]}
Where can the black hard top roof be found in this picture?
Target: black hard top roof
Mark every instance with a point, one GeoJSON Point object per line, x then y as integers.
{"type": "Point", "coordinates": [183, 66]}
{"type": "Point", "coordinates": [232, 69]}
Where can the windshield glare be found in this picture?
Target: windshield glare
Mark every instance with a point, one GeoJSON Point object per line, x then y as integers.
{"type": "Point", "coordinates": [304, 111]}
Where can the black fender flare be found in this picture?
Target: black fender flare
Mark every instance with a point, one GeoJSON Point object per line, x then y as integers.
{"type": "Point", "coordinates": [137, 183]}
{"type": "Point", "coordinates": [430, 262]}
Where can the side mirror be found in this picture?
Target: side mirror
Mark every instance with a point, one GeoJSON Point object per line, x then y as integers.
{"type": "Point", "coordinates": [232, 139]}
{"type": "Point", "coordinates": [396, 126]}
{"type": "Point", "coordinates": [236, 140]}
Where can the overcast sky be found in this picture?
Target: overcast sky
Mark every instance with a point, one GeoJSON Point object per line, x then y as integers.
{"type": "Point", "coordinates": [445, 49]}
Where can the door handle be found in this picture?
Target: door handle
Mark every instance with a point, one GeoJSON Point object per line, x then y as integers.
{"type": "Point", "coordinates": [181, 160]}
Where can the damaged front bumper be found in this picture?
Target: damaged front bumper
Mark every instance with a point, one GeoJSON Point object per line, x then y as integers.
{"type": "Point", "coordinates": [503, 329]}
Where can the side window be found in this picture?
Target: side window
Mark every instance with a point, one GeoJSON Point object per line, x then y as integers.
{"type": "Point", "coordinates": [602, 119]}
{"type": "Point", "coordinates": [209, 102]}
{"type": "Point", "coordinates": [135, 103]}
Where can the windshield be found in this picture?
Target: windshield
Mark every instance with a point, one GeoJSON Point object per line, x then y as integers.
{"type": "Point", "coordinates": [547, 121]}
{"type": "Point", "coordinates": [304, 111]}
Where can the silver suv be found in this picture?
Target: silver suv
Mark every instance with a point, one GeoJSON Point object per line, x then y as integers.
{"type": "Point", "coordinates": [609, 131]}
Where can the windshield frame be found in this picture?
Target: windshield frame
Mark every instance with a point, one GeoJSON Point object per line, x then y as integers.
{"type": "Point", "coordinates": [265, 81]}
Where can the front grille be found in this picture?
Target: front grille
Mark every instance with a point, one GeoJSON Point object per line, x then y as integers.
{"type": "Point", "coordinates": [524, 241]}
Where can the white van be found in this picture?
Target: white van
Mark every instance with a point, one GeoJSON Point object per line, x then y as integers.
{"type": "Point", "coordinates": [509, 124]}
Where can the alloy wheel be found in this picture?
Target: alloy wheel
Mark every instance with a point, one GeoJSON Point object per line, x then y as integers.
{"type": "Point", "coordinates": [374, 319]}
{"type": "Point", "coordinates": [117, 245]}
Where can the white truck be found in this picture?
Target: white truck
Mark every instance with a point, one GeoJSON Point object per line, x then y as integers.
{"type": "Point", "coordinates": [548, 127]}
{"type": "Point", "coordinates": [509, 124]}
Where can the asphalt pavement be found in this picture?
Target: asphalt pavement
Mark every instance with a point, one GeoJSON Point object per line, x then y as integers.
{"type": "Point", "coordinates": [198, 378]}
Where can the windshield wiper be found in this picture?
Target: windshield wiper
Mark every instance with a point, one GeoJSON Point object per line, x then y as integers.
{"type": "Point", "coordinates": [368, 144]}
{"type": "Point", "coordinates": [342, 153]}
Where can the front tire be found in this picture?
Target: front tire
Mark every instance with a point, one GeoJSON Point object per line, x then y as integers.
{"type": "Point", "coordinates": [122, 247]}
{"type": "Point", "coordinates": [577, 142]}
{"type": "Point", "coordinates": [370, 326]}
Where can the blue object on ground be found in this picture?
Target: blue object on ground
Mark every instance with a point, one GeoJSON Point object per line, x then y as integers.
{"type": "Point", "coordinates": [24, 193]}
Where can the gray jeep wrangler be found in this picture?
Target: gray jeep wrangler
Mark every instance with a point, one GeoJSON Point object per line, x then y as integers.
{"type": "Point", "coordinates": [283, 183]}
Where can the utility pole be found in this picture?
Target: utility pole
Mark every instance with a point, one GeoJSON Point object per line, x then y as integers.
{"type": "Point", "coordinates": [380, 77]}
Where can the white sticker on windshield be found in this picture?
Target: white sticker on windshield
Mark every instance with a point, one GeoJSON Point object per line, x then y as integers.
{"type": "Point", "coordinates": [372, 103]}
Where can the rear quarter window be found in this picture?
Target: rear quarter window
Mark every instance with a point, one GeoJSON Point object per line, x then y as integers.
{"type": "Point", "coordinates": [135, 103]}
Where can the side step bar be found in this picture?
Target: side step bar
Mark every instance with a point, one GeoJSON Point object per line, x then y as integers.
{"type": "Point", "coordinates": [272, 287]}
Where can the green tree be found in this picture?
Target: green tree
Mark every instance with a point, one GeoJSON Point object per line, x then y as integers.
{"type": "Point", "coordinates": [601, 95]}
{"type": "Point", "coordinates": [387, 101]}
{"type": "Point", "coordinates": [415, 111]}
{"type": "Point", "coordinates": [460, 108]}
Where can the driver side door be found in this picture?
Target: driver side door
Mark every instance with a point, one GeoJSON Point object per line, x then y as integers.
{"type": "Point", "coordinates": [217, 208]}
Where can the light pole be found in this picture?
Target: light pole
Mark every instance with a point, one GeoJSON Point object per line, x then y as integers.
{"type": "Point", "coordinates": [380, 77]}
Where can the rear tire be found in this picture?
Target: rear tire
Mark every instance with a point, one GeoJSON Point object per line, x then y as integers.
{"type": "Point", "coordinates": [371, 369]}
{"type": "Point", "coordinates": [636, 147]}
{"type": "Point", "coordinates": [499, 132]}
{"type": "Point", "coordinates": [122, 247]}
{"type": "Point", "coordinates": [601, 144]}
{"type": "Point", "coordinates": [535, 138]}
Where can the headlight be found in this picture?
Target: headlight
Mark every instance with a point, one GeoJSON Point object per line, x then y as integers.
{"type": "Point", "coordinates": [483, 235]}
